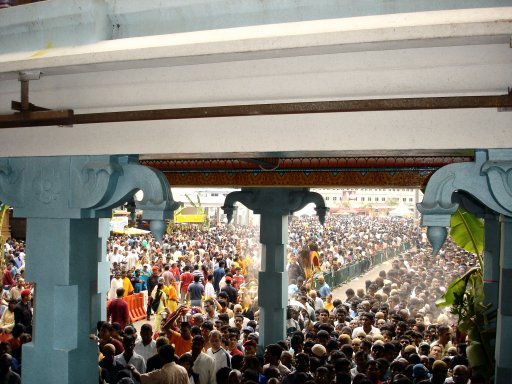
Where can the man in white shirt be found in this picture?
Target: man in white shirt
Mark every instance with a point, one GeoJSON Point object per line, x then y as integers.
{"type": "Point", "coordinates": [114, 257]}
{"type": "Point", "coordinates": [209, 291]}
{"type": "Point", "coordinates": [116, 282]}
{"type": "Point", "coordinates": [272, 358]}
{"type": "Point", "coordinates": [204, 365]}
{"type": "Point", "coordinates": [177, 255]}
{"type": "Point", "coordinates": [367, 319]}
{"type": "Point", "coordinates": [146, 346]}
{"type": "Point", "coordinates": [319, 304]}
{"type": "Point", "coordinates": [131, 259]}
{"type": "Point", "coordinates": [309, 309]}
{"type": "Point", "coordinates": [131, 357]}
{"type": "Point", "coordinates": [221, 357]}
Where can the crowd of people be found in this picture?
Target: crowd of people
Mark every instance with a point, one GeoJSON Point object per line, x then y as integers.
{"type": "Point", "coordinates": [207, 312]}
{"type": "Point", "coordinates": [15, 312]}
{"type": "Point", "coordinates": [202, 322]}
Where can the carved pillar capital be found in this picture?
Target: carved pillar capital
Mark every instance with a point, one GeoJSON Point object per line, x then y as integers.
{"type": "Point", "coordinates": [273, 204]}
{"type": "Point", "coordinates": [486, 181]}
{"type": "Point", "coordinates": [282, 201]}
{"type": "Point", "coordinates": [83, 187]}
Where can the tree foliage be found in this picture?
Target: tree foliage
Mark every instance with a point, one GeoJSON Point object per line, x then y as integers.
{"type": "Point", "coordinates": [465, 294]}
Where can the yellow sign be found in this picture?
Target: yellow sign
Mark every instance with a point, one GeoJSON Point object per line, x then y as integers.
{"type": "Point", "coordinates": [189, 218]}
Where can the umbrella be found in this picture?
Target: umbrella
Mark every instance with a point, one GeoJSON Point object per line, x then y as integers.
{"type": "Point", "coordinates": [296, 304]}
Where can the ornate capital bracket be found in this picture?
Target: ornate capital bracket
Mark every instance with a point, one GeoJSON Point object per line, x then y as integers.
{"type": "Point", "coordinates": [486, 181]}
{"type": "Point", "coordinates": [300, 199]}
{"type": "Point", "coordinates": [499, 176]}
{"type": "Point", "coordinates": [84, 187]}
{"type": "Point", "coordinates": [10, 183]}
{"type": "Point", "coordinates": [275, 200]}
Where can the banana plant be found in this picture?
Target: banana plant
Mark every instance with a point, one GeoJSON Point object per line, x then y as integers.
{"type": "Point", "coordinates": [199, 208]}
{"type": "Point", "coordinates": [465, 294]}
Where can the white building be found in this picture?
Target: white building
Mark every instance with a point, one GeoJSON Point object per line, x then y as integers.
{"type": "Point", "coordinates": [374, 201]}
{"type": "Point", "coordinates": [212, 199]}
{"type": "Point", "coordinates": [370, 201]}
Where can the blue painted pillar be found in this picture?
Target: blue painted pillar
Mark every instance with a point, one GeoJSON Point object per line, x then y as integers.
{"type": "Point", "coordinates": [504, 324]}
{"type": "Point", "coordinates": [64, 266]}
{"type": "Point", "coordinates": [487, 180]}
{"type": "Point", "coordinates": [273, 279]}
{"type": "Point", "coordinates": [274, 205]}
{"type": "Point", "coordinates": [67, 201]}
{"type": "Point", "coordinates": [491, 257]}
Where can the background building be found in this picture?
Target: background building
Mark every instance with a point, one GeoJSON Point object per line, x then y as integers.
{"type": "Point", "coordinates": [371, 201]}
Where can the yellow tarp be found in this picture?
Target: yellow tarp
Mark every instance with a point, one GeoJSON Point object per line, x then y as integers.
{"type": "Point", "coordinates": [189, 218]}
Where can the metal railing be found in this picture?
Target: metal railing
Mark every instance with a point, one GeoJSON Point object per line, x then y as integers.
{"type": "Point", "coordinates": [354, 269]}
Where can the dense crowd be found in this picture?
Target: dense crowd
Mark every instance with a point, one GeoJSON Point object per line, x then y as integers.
{"type": "Point", "coordinates": [389, 332]}
{"type": "Point", "coordinates": [15, 312]}
{"type": "Point", "coordinates": [202, 308]}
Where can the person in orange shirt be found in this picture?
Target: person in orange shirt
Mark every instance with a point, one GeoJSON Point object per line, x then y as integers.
{"type": "Point", "coordinates": [182, 340]}
{"type": "Point", "coordinates": [241, 263]}
{"type": "Point", "coordinates": [172, 296]}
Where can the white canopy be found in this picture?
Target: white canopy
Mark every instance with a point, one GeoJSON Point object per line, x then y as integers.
{"type": "Point", "coordinates": [401, 211]}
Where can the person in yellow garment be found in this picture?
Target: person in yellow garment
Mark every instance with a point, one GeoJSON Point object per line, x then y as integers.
{"type": "Point", "coordinates": [159, 303]}
{"type": "Point", "coordinates": [172, 296]}
{"type": "Point", "coordinates": [310, 261]}
{"type": "Point", "coordinates": [127, 284]}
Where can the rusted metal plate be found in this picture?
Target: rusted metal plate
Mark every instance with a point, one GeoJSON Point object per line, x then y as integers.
{"type": "Point", "coordinates": [338, 106]}
{"type": "Point", "coordinates": [36, 118]}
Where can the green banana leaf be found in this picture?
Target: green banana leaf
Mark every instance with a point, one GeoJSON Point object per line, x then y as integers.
{"type": "Point", "coordinates": [465, 295]}
{"type": "Point", "coordinates": [467, 231]}
{"type": "Point", "coordinates": [456, 289]}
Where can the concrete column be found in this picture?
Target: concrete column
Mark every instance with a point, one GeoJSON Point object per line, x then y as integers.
{"type": "Point", "coordinates": [491, 257]}
{"type": "Point", "coordinates": [63, 264]}
{"type": "Point", "coordinates": [273, 279]}
{"type": "Point", "coordinates": [504, 323]}
{"type": "Point", "coordinates": [274, 205]}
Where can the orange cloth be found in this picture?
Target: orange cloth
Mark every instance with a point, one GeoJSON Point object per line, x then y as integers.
{"type": "Point", "coordinates": [181, 345]}
{"type": "Point", "coordinates": [172, 297]}
{"type": "Point", "coordinates": [5, 337]}
{"type": "Point", "coordinates": [311, 264]}
{"type": "Point", "coordinates": [315, 260]}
